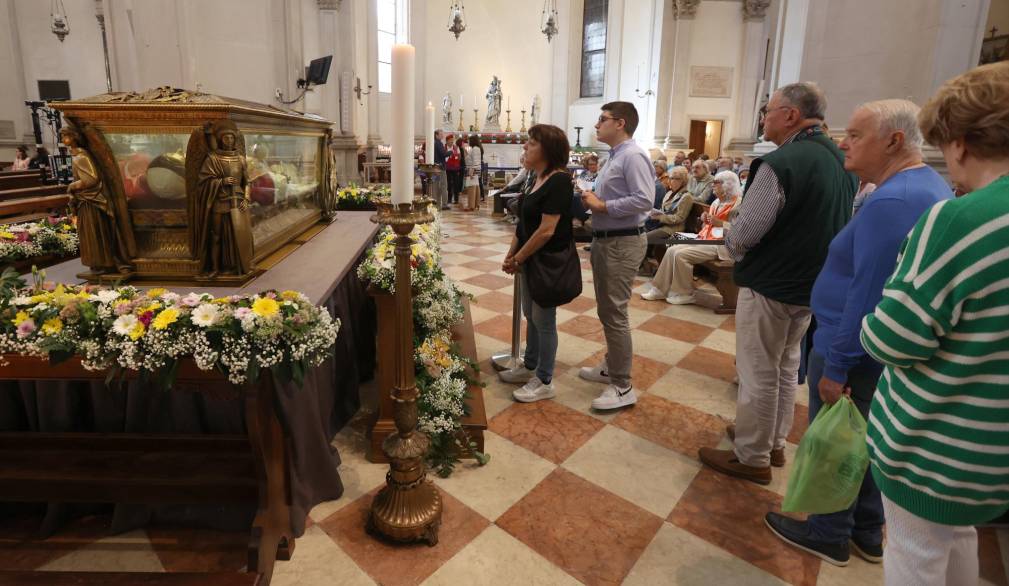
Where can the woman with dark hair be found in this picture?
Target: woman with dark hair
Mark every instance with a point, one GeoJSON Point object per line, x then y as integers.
{"type": "Point", "coordinates": [20, 159]}
{"type": "Point", "coordinates": [40, 160]}
{"type": "Point", "coordinates": [544, 227]}
{"type": "Point", "coordinates": [474, 167]}
{"type": "Point", "coordinates": [453, 168]}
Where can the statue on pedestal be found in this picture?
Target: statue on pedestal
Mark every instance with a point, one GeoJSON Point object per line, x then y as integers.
{"type": "Point", "coordinates": [492, 122]}
{"type": "Point", "coordinates": [535, 111]}
{"type": "Point", "coordinates": [105, 238]}
{"type": "Point", "coordinates": [219, 220]}
{"type": "Point", "coordinates": [446, 112]}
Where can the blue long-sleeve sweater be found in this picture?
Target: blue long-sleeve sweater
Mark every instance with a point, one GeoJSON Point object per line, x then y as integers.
{"type": "Point", "coordinates": [861, 259]}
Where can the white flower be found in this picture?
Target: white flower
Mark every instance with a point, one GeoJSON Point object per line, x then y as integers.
{"type": "Point", "coordinates": [192, 300]}
{"type": "Point", "coordinates": [106, 295]}
{"type": "Point", "coordinates": [22, 300]}
{"type": "Point", "coordinates": [171, 297]}
{"type": "Point", "coordinates": [249, 322]}
{"type": "Point", "coordinates": [124, 324]}
{"type": "Point", "coordinates": [205, 315]}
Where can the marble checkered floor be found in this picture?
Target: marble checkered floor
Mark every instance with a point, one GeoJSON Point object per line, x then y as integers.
{"type": "Point", "coordinates": [570, 495]}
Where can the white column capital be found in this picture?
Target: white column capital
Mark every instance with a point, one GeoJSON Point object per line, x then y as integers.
{"type": "Point", "coordinates": [755, 9]}
{"type": "Point", "coordinates": [685, 9]}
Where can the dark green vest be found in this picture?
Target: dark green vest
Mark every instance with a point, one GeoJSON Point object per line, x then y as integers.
{"type": "Point", "coordinates": [818, 198]}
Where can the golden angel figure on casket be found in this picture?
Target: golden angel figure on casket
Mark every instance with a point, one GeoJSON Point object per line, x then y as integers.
{"type": "Point", "coordinates": [219, 221]}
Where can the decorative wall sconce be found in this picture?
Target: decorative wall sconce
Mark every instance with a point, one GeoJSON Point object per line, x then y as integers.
{"type": "Point", "coordinates": [357, 90]}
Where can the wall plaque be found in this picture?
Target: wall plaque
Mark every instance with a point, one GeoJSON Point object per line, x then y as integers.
{"type": "Point", "coordinates": [710, 82]}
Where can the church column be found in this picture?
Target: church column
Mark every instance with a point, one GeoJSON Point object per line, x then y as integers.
{"type": "Point", "coordinates": [371, 38]}
{"type": "Point", "coordinates": [684, 12]}
{"type": "Point", "coordinates": [754, 43]}
{"type": "Point", "coordinates": [337, 99]}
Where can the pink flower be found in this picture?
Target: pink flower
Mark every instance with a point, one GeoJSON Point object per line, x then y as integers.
{"type": "Point", "coordinates": [242, 312]}
{"type": "Point", "coordinates": [146, 317]}
{"type": "Point", "coordinates": [22, 236]}
{"type": "Point", "coordinates": [191, 300]}
{"type": "Point", "coordinates": [53, 220]}
{"type": "Point", "coordinates": [25, 328]}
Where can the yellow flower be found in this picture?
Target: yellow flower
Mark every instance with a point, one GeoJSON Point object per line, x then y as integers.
{"type": "Point", "coordinates": [7, 235]}
{"type": "Point", "coordinates": [222, 300]}
{"type": "Point", "coordinates": [20, 317]}
{"type": "Point", "coordinates": [165, 319]}
{"type": "Point", "coordinates": [265, 307]}
{"type": "Point", "coordinates": [152, 307]}
{"type": "Point", "coordinates": [41, 298]}
{"type": "Point", "coordinates": [156, 292]}
{"type": "Point", "coordinates": [290, 295]}
{"type": "Point", "coordinates": [52, 326]}
{"type": "Point", "coordinates": [137, 330]}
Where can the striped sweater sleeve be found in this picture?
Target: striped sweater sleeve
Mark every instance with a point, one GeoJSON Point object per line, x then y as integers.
{"type": "Point", "coordinates": [906, 326]}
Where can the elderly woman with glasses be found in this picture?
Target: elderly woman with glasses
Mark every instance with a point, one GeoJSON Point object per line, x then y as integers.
{"type": "Point", "coordinates": [700, 185]}
{"type": "Point", "coordinates": [674, 280]}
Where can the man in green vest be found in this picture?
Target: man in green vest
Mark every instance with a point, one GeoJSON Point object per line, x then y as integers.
{"type": "Point", "coordinates": [797, 199]}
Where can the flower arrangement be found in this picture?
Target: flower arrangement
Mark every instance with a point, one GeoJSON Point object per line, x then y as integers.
{"type": "Point", "coordinates": [354, 197]}
{"type": "Point", "coordinates": [441, 371]}
{"type": "Point", "coordinates": [124, 328]}
{"type": "Point", "coordinates": [55, 235]}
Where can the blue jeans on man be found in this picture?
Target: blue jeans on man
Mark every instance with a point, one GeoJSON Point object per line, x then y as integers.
{"type": "Point", "coordinates": [541, 336]}
{"type": "Point", "coordinates": [862, 521]}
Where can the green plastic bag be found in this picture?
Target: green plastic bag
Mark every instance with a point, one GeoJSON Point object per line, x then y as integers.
{"type": "Point", "coordinates": [830, 462]}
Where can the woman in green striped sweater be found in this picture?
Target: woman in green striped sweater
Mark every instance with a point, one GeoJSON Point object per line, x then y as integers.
{"type": "Point", "coordinates": [939, 425]}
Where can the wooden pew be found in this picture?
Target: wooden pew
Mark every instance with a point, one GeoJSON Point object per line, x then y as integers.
{"type": "Point", "coordinates": [30, 192]}
{"type": "Point", "coordinates": [719, 273]}
{"type": "Point", "coordinates": [24, 172]}
{"type": "Point", "coordinates": [21, 180]}
{"type": "Point", "coordinates": [32, 208]}
{"type": "Point", "coordinates": [128, 579]}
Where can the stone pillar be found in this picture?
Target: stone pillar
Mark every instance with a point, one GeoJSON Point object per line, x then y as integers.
{"type": "Point", "coordinates": [336, 38]}
{"type": "Point", "coordinates": [754, 42]}
{"type": "Point", "coordinates": [374, 137]}
{"type": "Point", "coordinates": [677, 128]}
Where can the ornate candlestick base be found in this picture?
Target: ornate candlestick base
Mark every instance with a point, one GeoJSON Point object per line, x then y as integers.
{"type": "Point", "coordinates": [523, 129]}
{"type": "Point", "coordinates": [476, 120]}
{"type": "Point", "coordinates": [428, 177]}
{"type": "Point", "coordinates": [461, 127]}
{"type": "Point", "coordinates": [409, 507]}
{"type": "Point", "coordinates": [508, 125]}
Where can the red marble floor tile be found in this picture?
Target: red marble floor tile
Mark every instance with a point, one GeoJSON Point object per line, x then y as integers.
{"type": "Point", "coordinates": [491, 282]}
{"type": "Point", "coordinates": [729, 325]}
{"type": "Point", "coordinates": [653, 306]}
{"type": "Point", "coordinates": [548, 429]}
{"type": "Point", "coordinates": [674, 426]}
{"type": "Point", "coordinates": [644, 371]}
{"type": "Point", "coordinates": [22, 549]}
{"type": "Point", "coordinates": [487, 266]}
{"type": "Point", "coordinates": [676, 329]}
{"type": "Point", "coordinates": [481, 253]}
{"type": "Point", "coordinates": [499, 327]}
{"type": "Point", "coordinates": [711, 363]}
{"type": "Point", "coordinates": [402, 564]}
{"type": "Point", "coordinates": [199, 550]}
{"type": "Point", "coordinates": [587, 531]}
{"type": "Point", "coordinates": [495, 301]}
{"type": "Point", "coordinates": [581, 305]}
{"type": "Point", "coordinates": [992, 568]}
{"type": "Point", "coordinates": [584, 326]}
{"type": "Point", "coordinates": [729, 513]}
{"type": "Point", "coordinates": [800, 422]}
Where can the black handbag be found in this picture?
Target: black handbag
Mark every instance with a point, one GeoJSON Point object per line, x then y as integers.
{"type": "Point", "coordinates": [554, 278]}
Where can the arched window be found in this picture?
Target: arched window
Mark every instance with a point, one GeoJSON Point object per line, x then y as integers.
{"type": "Point", "coordinates": [594, 48]}
{"type": "Point", "coordinates": [393, 25]}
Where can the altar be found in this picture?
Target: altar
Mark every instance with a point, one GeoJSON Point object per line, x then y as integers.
{"type": "Point", "coordinates": [67, 417]}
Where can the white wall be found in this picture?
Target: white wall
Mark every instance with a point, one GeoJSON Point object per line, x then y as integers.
{"type": "Point", "coordinates": [716, 40]}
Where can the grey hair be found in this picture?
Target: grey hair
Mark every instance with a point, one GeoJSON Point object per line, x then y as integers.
{"type": "Point", "coordinates": [730, 183]}
{"type": "Point", "coordinates": [807, 97]}
{"type": "Point", "coordinates": [897, 116]}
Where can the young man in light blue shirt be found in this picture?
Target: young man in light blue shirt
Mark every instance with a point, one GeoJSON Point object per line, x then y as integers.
{"type": "Point", "coordinates": [624, 193]}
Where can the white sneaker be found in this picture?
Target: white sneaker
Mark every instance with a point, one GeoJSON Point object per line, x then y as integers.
{"type": "Point", "coordinates": [517, 375]}
{"type": "Point", "coordinates": [596, 374]}
{"type": "Point", "coordinates": [677, 299]}
{"type": "Point", "coordinates": [653, 294]}
{"type": "Point", "coordinates": [533, 391]}
{"type": "Point", "coordinates": [614, 398]}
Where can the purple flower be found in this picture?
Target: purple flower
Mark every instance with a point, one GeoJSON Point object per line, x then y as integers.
{"type": "Point", "coordinates": [25, 328]}
{"type": "Point", "coordinates": [146, 317]}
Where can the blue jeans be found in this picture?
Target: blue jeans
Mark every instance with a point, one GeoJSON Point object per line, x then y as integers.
{"type": "Point", "coordinates": [541, 336]}
{"type": "Point", "coordinates": [864, 519]}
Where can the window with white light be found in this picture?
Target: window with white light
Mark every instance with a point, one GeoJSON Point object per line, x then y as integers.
{"type": "Point", "coordinates": [392, 29]}
{"type": "Point", "coordinates": [594, 48]}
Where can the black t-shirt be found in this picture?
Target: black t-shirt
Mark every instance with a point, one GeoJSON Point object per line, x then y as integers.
{"type": "Point", "coordinates": [553, 198]}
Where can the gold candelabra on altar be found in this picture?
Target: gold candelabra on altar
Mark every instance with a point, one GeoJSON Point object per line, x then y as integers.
{"type": "Point", "coordinates": [409, 507]}
{"type": "Point", "coordinates": [476, 121]}
{"type": "Point", "coordinates": [508, 125]}
{"type": "Point", "coordinates": [461, 127]}
{"type": "Point", "coordinates": [523, 129]}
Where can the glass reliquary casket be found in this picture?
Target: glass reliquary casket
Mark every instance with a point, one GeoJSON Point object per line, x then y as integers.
{"type": "Point", "coordinates": [199, 187]}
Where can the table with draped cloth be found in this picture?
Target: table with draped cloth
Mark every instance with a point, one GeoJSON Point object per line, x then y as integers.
{"type": "Point", "coordinates": [324, 269]}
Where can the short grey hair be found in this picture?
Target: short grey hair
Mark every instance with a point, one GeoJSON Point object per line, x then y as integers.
{"type": "Point", "coordinates": [897, 116]}
{"type": "Point", "coordinates": [807, 97]}
{"type": "Point", "coordinates": [730, 183]}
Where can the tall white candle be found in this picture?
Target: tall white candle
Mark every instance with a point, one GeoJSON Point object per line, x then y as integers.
{"type": "Point", "coordinates": [429, 134]}
{"type": "Point", "coordinates": [402, 129]}
{"type": "Point", "coordinates": [462, 101]}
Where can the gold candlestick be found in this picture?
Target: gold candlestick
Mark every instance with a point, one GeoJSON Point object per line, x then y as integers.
{"type": "Point", "coordinates": [476, 123]}
{"type": "Point", "coordinates": [461, 127]}
{"type": "Point", "coordinates": [508, 125]}
{"type": "Point", "coordinates": [523, 129]}
{"type": "Point", "coordinates": [409, 507]}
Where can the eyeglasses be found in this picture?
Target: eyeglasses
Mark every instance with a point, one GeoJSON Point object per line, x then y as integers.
{"type": "Point", "coordinates": [603, 119]}
{"type": "Point", "coordinates": [767, 111]}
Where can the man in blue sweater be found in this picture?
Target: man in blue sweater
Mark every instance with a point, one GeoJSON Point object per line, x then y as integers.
{"type": "Point", "coordinates": [882, 146]}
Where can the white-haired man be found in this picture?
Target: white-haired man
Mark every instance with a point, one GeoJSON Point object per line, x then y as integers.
{"type": "Point", "coordinates": [798, 199]}
{"type": "Point", "coordinates": [882, 145]}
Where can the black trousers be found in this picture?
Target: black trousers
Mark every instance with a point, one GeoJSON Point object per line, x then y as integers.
{"type": "Point", "coordinates": [454, 185]}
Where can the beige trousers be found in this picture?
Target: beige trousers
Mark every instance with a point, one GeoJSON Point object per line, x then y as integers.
{"type": "Point", "coordinates": [615, 263]}
{"type": "Point", "coordinates": [768, 350]}
{"type": "Point", "coordinates": [676, 271]}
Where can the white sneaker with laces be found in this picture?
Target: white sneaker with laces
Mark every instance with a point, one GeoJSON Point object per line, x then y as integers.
{"type": "Point", "coordinates": [534, 390]}
{"type": "Point", "coordinates": [678, 299]}
{"type": "Point", "coordinates": [596, 374]}
{"type": "Point", "coordinates": [614, 398]}
{"type": "Point", "coordinates": [653, 294]}
{"type": "Point", "coordinates": [517, 375]}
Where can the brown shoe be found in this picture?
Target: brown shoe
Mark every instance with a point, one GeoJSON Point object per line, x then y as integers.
{"type": "Point", "coordinates": [777, 454]}
{"type": "Point", "coordinates": [725, 461]}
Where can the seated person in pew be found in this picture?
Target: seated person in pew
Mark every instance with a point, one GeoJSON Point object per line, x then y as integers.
{"type": "Point", "coordinates": [519, 185]}
{"type": "Point", "coordinates": [581, 217]}
{"type": "Point", "coordinates": [671, 216]}
{"type": "Point", "coordinates": [674, 281]}
{"type": "Point", "coordinates": [660, 182]}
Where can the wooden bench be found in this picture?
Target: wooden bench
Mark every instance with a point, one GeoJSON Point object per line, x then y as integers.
{"type": "Point", "coordinates": [128, 579]}
{"type": "Point", "coordinates": [35, 191]}
{"type": "Point", "coordinates": [21, 180]}
{"type": "Point", "coordinates": [719, 273]}
{"type": "Point", "coordinates": [32, 208]}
